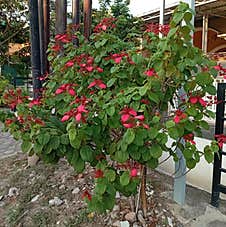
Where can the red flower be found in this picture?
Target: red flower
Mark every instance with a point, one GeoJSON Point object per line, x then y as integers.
{"type": "Point", "coordinates": [8, 122]}
{"type": "Point", "coordinates": [189, 138]}
{"type": "Point", "coordinates": [130, 119]}
{"type": "Point", "coordinates": [179, 116]}
{"type": "Point", "coordinates": [34, 102]}
{"type": "Point", "coordinates": [87, 195]}
{"type": "Point", "coordinates": [69, 64]}
{"type": "Point", "coordinates": [150, 72]}
{"type": "Point", "coordinates": [105, 24]}
{"type": "Point", "coordinates": [99, 173]}
{"type": "Point", "coordinates": [65, 118]}
{"type": "Point", "coordinates": [66, 87]}
{"type": "Point", "coordinates": [133, 172]}
{"type": "Point", "coordinates": [197, 99]}
{"type": "Point", "coordinates": [98, 83]}
{"type": "Point", "coordinates": [221, 140]}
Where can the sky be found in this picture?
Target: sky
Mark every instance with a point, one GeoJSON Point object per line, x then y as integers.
{"type": "Point", "coordinates": [138, 7]}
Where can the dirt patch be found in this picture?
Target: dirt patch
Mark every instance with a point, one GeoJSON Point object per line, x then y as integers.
{"type": "Point", "coordinates": [38, 185]}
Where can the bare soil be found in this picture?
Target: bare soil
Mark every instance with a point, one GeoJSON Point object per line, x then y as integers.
{"type": "Point", "coordinates": [49, 181]}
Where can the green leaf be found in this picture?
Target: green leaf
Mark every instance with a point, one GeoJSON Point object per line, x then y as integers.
{"type": "Point", "coordinates": [110, 175]}
{"type": "Point", "coordinates": [43, 138]}
{"type": "Point", "coordinates": [172, 32]}
{"type": "Point", "coordinates": [191, 163]}
{"type": "Point", "coordinates": [26, 146]}
{"type": "Point", "coordinates": [204, 78]}
{"type": "Point", "coordinates": [153, 163]}
{"type": "Point", "coordinates": [100, 188]}
{"type": "Point", "coordinates": [187, 154]}
{"type": "Point", "coordinates": [204, 125]}
{"type": "Point", "coordinates": [143, 90]}
{"type": "Point", "coordinates": [55, 142]}
{"type": "Point", "coordinates": [72, 134]}
{"type": "Point", "coordinates": [170, 124]}
{"type": "Point", "coordinates": [208, 154]}
{"type": "Point", "coordinates": [156, 151]}
{"type": "Point", "coordinates": [173, 133]}
{"type": "Point", "coordinates": [87, 154]}
{"type": "Point", "coordinates": [146, 154]}
{"type": "Point", "coordinates": [37, 147]}
{"type": "Point", "coordinates": [121, 156]}
{"type": "Point", "coordinates": [64, 139]}
{"type": "Point", "coordinates": [125, 178]}
{"type": "Point", "coordinates": [211, 90]}
{"type": "Point", "coordinates": [78, 164]}
{"type": "Point", "coordinates": [129, 136]}
{"type": "Point", "coordinates": [192, 111]}
{"type": "Point", "coordinates": [111, 82]}
{"type": "Point", "coordinates": [110, 111]}
{"type": "Point", "coordinates": [153, 97]}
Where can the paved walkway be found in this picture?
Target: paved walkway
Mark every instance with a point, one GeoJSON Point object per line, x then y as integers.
{"type": "Point", "coordinates": [8, 146]}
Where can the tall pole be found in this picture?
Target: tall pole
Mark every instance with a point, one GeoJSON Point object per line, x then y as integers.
{"type": "Point", "coordinates": [161, 16]}
{"type": "Point", "coordinates": [75, 12]}
{"type": "Point", "coordinates": [87, 17]}
{"type": "Point", "coordinates": [205, 33]}
{"type": "Point", "coordinates": [180, 166]}
{"type": "Point", "coordinates": [46, 36]}
{"type": "Point", "coordinates": [61, 16]}
{"type": "Point", "coordinates": [35, 47]}
{"type": "Point", "coordinates": [41, 35]}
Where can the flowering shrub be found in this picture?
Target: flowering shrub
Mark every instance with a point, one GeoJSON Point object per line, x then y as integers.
{"type": "Point", "coordinates": [104, 104]}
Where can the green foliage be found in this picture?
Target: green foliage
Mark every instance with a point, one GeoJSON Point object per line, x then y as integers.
{"type": "Point", "coordinates": [109, 96]}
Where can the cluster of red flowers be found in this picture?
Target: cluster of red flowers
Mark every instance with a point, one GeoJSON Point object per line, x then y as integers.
{"type": "Point", "coordinates": [61, 39]}
{"type": "Point", "coordinates": [157, 28]}
{"type": "Point", "coordinates": [14, 97]}
{"type": "Point", "coordinates": [85, 62]}
{"type": "Point", "coordinates": [130, 118]}
{"type": "Point", "coordinates": [150, 72]}
{"type": "Point", "coordinates": [117, 58]}
{"type": "Point", "coordinates": [221, 139]}
{"type": "Point", "coordinates": [97, 83]}
{"type": "Point", "coordinates": [189, 138]}
{"type": "Point", "coordinates": [35, 102]}
{"type": "Point", "coordinates": [27, 121]}
{"type": "Point", "coordinates": [180, 115]}
{"type": "Point", "coordinates": [79, 113]}
{"type": "Point", "coordinates": [99, 173]}
{"type": "Point", "coordinates": [69, 88]}
{"type": "Point", "coordinates": [87, 195]}
{"type": "Point", "coordinates": [197, 99]}
{"type": "Point", "coordinates": [221, 70]}
{"type": "Point", "coordinates": [132, 166]}
{"type": "Point", "coordinates": [105, 24]}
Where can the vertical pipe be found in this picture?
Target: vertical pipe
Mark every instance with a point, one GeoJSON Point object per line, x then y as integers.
{"type": "Point", "coordinates": [41, 35]}
{"type": "Point", "coordinates": [46, 25]}
{"type": "Point", "coordinates": [205, 33]}
{"type": "Point", "coordinates": [180, 167]}
{"type": "Point", "coordinates": [161, 16]}
{"type": "Point", "coordinates": [61, 16]}
{"type": "Point", "coordinates": [35, 47]}
{"type": "Point", "coordinates": [75, 12]}
{"type": "Point", "coordinates": [87, 17]}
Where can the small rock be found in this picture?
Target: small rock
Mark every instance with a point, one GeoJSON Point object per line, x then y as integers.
{"type": "Point", "coordinates": [1, 197]}
{"type": "Point", "coordinates": [32, 160]}
{"type": "Point", "coordinates": [76, 191]}
{"type": "Point", "coordinates": [34, 199]}
{"type": "Point", "coordinates": [114, 215]}
{"type": "Point", "coordinates": [124, 224]}
{"type": "Point", "coordinates": [135, 225]}
{"type": "Point", "coordinates": [116, 208]}
{"type": "Point", "coordinates": [116, 224]}
{"type": "Point", "coordinates": [141, 218]}
{"type": "Point", "coordinates": [13, 192]}
{"type": "Point", "coordinates": [2, 204]}
{"type": "Point", "coordinates": [62, 187]}
{"type": "Point", "coordinates": [170, 222]}
{"type": "Point", "coordinates": [117, 196]}
{"type": "Point", "coordinates": [131, 217]}
{"type": "Point", "coordinates": [55, 202]}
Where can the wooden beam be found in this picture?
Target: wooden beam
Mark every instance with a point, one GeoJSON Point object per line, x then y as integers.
{"type": "Point", "coordinates": [87, 7]}
{"type": "Point", "coordinates": [61, 16]}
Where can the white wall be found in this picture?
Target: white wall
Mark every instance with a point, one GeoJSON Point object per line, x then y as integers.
{"type": "Point", "coordinates": [201, 176]}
